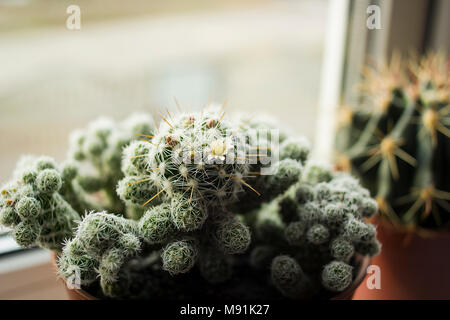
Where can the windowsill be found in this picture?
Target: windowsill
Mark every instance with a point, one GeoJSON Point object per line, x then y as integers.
{"type": "Point", "coordinates": [28, 274]}
{"type": "Point", "coordinates": [8, 245]}
{"type": "Point", "coordinates": [22, 259]}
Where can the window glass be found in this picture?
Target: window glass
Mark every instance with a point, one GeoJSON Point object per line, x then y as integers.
{"type": "Point", "coordinates": [261, 56]}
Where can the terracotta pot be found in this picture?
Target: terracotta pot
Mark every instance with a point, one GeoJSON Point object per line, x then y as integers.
{"type": "Point", "coordinates": [72, 294]}
{"type": "Point", "coordinates": [411, 266]}
{"type": "Point", "coordinates": [79, 294]}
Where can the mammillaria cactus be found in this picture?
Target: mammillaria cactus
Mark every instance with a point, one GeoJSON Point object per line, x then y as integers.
{"type": "Point", "coordinates": [97, 151]}
{"type": "Point", "coordinates": [317, 226]}
{"type": "Point", "coordinates": [33, 207]}
{"type": "Point", "coordinates": [189, 174]}
{"type": "Point", "coordinates": [398, 141]}
{"type": "Point", "coordinates": [102, 244]}
{"type": "Point", "coordinates": [198, 155]}
{"type": "Point", "coordinates": [198, 206]}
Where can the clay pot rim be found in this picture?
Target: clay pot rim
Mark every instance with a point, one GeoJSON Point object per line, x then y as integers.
{"type": "Point", "coordinates": [84, 294]}
{"type": "Point", "coordinates": [344, 295]}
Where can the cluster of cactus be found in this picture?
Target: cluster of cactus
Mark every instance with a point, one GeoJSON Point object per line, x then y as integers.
{"type": "Point", "coordinates": [97, 151]}
{"type": "Point", "coordinates": [308, 237]}
{"type": "Point", "coordinates": [32, 205]}
{"type": "Point", "coordinates": [192, 176]}
{"type": "Point", "coordinates": [398, 140]}
{"type": "Point", "coordinates": [192, 206]}
{"type": "Point", "coordinates": [102, 244]}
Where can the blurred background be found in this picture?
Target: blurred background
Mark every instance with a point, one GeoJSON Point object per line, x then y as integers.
{"type": "Point", "coordinates": [259, 55]}
{"type": "Point", "coordinates": [293, 59]}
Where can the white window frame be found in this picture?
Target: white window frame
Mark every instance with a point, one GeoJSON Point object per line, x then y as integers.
{"type": "Point", "coordinates": [349, 42]}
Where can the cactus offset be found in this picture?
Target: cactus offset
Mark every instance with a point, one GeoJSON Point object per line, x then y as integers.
{"type": "Point", "coordinates": [318, 226]}
{"type": "Point", "coordinates": [97, 150]}
{"type": "Point", "coordinates": [103, 243]}
{"type": "Point", "coordinates": [33, 207]}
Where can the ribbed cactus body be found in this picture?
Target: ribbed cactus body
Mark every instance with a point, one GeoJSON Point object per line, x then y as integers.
{"type": "Point", "coordinates": [398, 145]}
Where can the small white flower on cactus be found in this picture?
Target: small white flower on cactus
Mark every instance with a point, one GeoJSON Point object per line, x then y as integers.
{"type": "Point", "coordinates": [218, 149]}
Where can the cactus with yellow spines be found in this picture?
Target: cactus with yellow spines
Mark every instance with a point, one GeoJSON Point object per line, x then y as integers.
{"type": "Point", "coordinates": [194, 175]}
{"type": "Point", "coordinates": [397, 141]}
